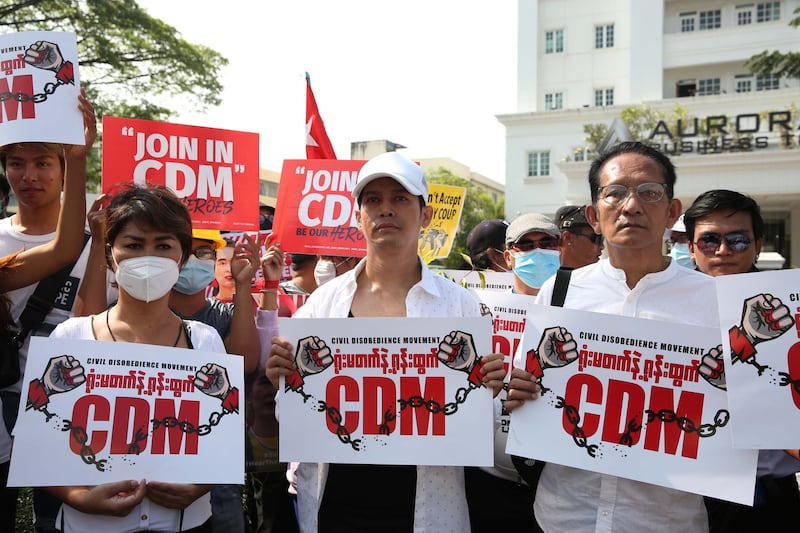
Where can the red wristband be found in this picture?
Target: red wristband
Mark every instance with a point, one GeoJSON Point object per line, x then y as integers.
{"type": "Point", "coordinates": [271, 283]}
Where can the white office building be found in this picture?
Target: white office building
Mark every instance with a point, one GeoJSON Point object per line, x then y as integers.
{"type": "Point", "coordinates": [584, 63]}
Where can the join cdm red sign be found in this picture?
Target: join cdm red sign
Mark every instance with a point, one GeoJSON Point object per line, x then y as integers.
{"type": "Point", "coordinates": [215, 172]}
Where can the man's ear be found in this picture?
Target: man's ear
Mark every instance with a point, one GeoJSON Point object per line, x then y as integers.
{"type": "Point", "coordinates": [675, 210]}
{"type": "Point", "coordinates": [691, 251]}
{"type": "Point", "coordinates": [427, 216]}
{"type": "Point", "coordinates": [592, 219]}
{"type": "Point", "coordinates": [358, 218]}
{"type": "Point", "coordinates": [509, 258]}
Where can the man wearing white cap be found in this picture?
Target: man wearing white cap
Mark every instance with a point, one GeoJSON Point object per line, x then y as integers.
{"type": "Point", "coordinates": [391, 281]}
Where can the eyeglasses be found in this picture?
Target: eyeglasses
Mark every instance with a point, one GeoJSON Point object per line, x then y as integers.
{"type": "Point", "coordinates": [204, 253]}
{"type": "Point", "coordinates": [736, 241]}
{"type": "Point", "coordinates": [650, 192]}
{"type": "Point", "coordinates": [547, 243]}
{"type": "Point", "coordinates": [596, 238]}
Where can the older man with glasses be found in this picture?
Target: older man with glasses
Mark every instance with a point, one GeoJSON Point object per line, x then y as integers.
{"type": "Point", "coordinates": [532, 251]}
{"type": "Point", "coordinates": [580, 245]}
{"type": "Point", "coordinates": [632, 187]}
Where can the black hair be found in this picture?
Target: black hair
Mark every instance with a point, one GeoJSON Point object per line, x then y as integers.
{"type": "Point", "coordinates": [723, 200]}
{"type": "Point", "coordinates": [631, 147]}
{"type": "Point", "coordinates": [156, 206]}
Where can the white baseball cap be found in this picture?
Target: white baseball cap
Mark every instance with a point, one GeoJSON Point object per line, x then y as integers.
{"type": "Point", "coordinates": [396, 166]}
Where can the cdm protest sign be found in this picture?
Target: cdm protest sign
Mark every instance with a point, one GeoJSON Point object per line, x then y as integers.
{"type": "Point", "coordinates": [39, 85]}
{"type": "Point", "coordinates": [508, 313]}
{"type": "Point", "coordinates": [625, 397]}
{"type": "Point", "coordinates": [316, 211]}
{"type": "Point", "coordinates": [214, 171]}
{"type": "Point", "coordinates": [760, 317]}
{"type": "Point", "coordinates": [386, 391]}
{"type": "Point", "coordinates": [94, 412]}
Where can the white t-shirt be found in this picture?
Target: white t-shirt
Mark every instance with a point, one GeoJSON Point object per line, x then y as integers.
{"type": "Point", "coordinates": [147, 515]}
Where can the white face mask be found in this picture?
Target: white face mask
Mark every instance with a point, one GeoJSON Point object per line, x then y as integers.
{"type": "Point", "coordinates": [148, 277]}
{"type": "Point", "coordinates": [324, 271]}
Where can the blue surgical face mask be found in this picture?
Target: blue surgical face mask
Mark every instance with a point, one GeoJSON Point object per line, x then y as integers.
{"type": "Point", "coordinates": [195, 275]}
{"type": "Point", "coordinates": [534, 267]}
{"type": "Point", "coordinates": [680, 253]}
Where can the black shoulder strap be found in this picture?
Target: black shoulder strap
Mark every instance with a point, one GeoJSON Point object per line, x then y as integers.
{"type": "Point", "coordinates": [41, 301]}
{"type": "Point", "coordinates": [561, 286]}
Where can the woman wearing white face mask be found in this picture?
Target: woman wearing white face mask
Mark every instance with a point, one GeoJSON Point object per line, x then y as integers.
{"type": "Point", "coordinates": [328, 267]}
{"type": "Point", "coordinates": [149, 236]}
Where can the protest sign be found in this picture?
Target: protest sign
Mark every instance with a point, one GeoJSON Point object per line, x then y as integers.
{"type": "Point", "coordinates": [624, 396]}
{"type": "Point", "coordinates": [316, 212]}
{"type": "Point", "coordinates": [447, 201]}
{"type": "Point", "coordinates": [39, 75]}
{"type": "Point", "coordinates": [98, 412]}
{"type": "Point", "coordinates": [759, 315]}
{"type": "Point", "coordinates": [386, 391]}
{"type": "Point", "coordinates": [488, 280]}
{"type": "Point", "coordinates": [214, 171]}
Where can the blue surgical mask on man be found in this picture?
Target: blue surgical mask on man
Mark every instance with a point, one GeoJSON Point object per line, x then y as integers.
{"type": "Point", "coordinates": [680, 253]}
{"type": "Point", "coordinates": [195, 275]}
{"type": "Point", "coordinates": [534, 267]}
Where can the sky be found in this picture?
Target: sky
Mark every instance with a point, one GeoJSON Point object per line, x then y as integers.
{"type": "Point", "coordinates": [427, 74]}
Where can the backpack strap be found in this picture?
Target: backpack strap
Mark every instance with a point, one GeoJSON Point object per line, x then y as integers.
{"type": "Point", "coordinates": [561, 286]}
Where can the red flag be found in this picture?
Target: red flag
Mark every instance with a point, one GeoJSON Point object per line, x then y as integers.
{"type": "Point", "coordinates": [318, 146]}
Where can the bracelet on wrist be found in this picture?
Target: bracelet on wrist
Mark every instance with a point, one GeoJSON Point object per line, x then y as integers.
{"type": "Point", "coordinates": [271, 283]}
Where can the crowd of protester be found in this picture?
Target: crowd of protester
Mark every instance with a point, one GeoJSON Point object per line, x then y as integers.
{"type": "Point", "coordinates": [146, 276]}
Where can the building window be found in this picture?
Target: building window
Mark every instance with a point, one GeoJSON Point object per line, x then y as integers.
{"type": "Point", "coordinates": [687, 21]}
{"type": "Point", "coordinates": [603, 97]}
{"type": "Point", "coordinates": [710, 20]}
{"type": "Point", "coordinates": [708, 87]}
{"type": "Point", "coordinates": [554, 42]}
{"type": "Point", "coordinates": [768, 11]}
{"type": "Point", "coordinates": [767, 82]}
{"type": "Point", "coordinates": [538, 164]}
{"type": "Point", "coordinates": [583, 153]}
{"type": "Point", "coordinates": [744, 83]}
{"type": "Point", "coordinates": [604, 36]}
{"type": "Point", "coordinates": [553, 101]}
{"type": "Point", "coordinates": [744, 14]}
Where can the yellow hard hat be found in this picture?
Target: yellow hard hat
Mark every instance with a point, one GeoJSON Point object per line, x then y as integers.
{"type": "Point", "coordinates": [212, 235]}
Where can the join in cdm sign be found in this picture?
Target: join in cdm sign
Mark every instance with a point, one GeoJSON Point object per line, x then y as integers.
{"type": "Point", "coordinates": [719, 133]}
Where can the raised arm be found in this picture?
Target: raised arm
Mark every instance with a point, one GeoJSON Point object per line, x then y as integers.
{"type": "Point", "coordinates": [243, 338]}
{"type": "Point", "coordinates": [37, 263]}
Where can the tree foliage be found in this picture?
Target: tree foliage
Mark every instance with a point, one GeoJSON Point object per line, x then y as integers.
{"type": "Point", "coordinates": [786, 65]}
{"type": "Point", "coordinates": [128, 59]}
{"type": "Point", "coordinates": [478, 206]}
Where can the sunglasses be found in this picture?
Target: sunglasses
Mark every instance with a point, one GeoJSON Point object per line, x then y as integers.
{"type": "Point", "coordinates": [547, 243]}
{"type": "Point", "coordinates": [596, 238]}
{"type": "Point", "coordinates": [736, 241]}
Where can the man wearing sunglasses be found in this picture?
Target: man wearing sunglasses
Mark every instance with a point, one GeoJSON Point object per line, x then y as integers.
{"type": "Point", "coordinates": [532, 251]}
{"type": "Point", "coordinates": [631, 187]}
{"type": "Point", "coordinates": [725, 232]}
{"type": "Point", "coordinates": [580, 245]}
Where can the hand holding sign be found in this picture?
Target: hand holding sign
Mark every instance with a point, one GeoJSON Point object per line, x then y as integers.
{"type": "Point", "coordinates": [712, 368]}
